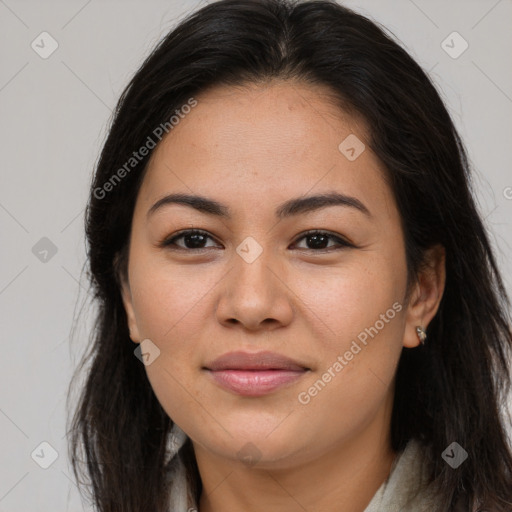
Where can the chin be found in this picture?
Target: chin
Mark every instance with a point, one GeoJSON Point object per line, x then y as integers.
{"type": "Point", "coordinates": [256, 446]}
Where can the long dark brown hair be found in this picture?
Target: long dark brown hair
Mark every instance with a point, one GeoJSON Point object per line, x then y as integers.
{"type": "Point", "coordinates": [451, 389]}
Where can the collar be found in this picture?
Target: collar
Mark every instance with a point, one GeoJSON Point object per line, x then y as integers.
{"type": "Point", "coordinates": [406, 488]}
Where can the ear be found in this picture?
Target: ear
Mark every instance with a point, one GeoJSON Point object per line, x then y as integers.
{"type": "Point", "coordinates": [126, 295]}
{"type": "Point", "coordinates": [426, 294]}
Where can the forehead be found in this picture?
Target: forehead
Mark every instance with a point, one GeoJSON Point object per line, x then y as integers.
{"type": "Point", "coordinates": [281, 119]}
{"type": "Point", "coordinates": [265, 141]}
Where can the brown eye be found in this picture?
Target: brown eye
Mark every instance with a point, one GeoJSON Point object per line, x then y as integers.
{"type": "Point", "coordinates": [196, 240]}
{"type": "Point", "coordinates": [319, 240]}
{"type": "Point", "coordinates": [192, 240]}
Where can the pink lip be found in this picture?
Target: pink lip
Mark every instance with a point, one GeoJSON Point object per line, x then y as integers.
{"type": "Point", "coordinates": [254, 374]}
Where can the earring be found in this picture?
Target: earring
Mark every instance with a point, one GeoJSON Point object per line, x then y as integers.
{"type": "Point", "coordinates": [422, 335]}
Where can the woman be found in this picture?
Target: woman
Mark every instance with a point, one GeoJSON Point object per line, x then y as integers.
{"type": "Point", "coordinates": [281, 222]}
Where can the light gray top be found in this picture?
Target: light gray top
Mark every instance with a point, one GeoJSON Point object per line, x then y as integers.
{"type": "Point", "coordinates": [405, 490]}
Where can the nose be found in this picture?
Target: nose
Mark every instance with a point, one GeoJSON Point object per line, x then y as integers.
{"type": "Point", "coordinates": [255, 295]}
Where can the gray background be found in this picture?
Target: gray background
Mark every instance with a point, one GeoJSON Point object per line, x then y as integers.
{"type": "Point", "coordinates": [54, 114]}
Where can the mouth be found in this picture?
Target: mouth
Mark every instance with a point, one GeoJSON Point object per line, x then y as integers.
{"type": "Point", "coordinates": [254, 374]}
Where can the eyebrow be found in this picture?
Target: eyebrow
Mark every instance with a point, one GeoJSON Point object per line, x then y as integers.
{"type": "Point", "coordinates": [289, 208]}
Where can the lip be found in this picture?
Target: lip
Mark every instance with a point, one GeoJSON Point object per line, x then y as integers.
{"type": "Point", "coordinates": [254, 374]}
{"type": "Point", "coordinates": [254, 361]}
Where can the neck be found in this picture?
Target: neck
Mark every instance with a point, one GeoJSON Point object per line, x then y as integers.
{"type": "Point", "coordinates": [345, 478]}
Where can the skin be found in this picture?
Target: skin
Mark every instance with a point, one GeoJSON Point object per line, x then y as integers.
{"type": "Point", "coordinates": [253, 148]}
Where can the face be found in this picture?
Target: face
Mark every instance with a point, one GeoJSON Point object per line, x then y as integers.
{"type": "Point", "coordinates": [309, 294]}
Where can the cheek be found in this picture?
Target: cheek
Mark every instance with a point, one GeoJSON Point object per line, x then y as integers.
{"type": "Point", "coordinates": [358, 362]}
{"type": "Point", "coordinates": [343, 302]}
{"type": "Point", "coordinates": [168, 299]}
{"type": "Point", "coordinates": [350, 401]}
{"type": "Point", "coordinates": [170, 311]}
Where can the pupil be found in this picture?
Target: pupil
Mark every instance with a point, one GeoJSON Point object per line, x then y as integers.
{"type": "Point", "coordinates": [317, 241]}
{"type": "Point", "coordinates": [197, 240]}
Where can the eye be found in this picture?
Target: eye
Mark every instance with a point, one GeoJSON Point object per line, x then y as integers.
{"type": "Point", "coordinates": [193, 239]}
{"type": "Point", "coordinates": [317, 241]}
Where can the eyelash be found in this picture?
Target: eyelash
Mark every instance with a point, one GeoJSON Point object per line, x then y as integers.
{"type": "Point", "coordinates": [170, 242]}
